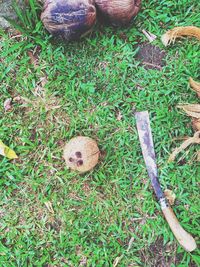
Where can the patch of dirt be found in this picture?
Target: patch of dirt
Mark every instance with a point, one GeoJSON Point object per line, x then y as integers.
{"type": "Point", "coordinates": [158, 255]}
{"type": "Point", "coordinates": [151, 56]}
{"type": "Point", "coordinates": [54, 224]}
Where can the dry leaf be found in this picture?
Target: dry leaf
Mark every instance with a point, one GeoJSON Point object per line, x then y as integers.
{"type": "Point", "coordinates": [192, 110]}
{"type": "Point", "coordinates": [169, 194]}
{"type": "Point", "coordinates": [119, 116]}
{"type": "Point", "coordinates": [150, 36]}
{"type": "Point", "coordinates": [117, 260]}
{"type": "Point", "coordinates": [7, 152]}
{"type": "Point", "coordinates": [191, 140]}
{"type": "Point", "coordinates": [49, 206]}
{"type": "Point", "coordinates": [33, 59]}
{"type": "Point", "coordinates": [130, 243]}
{"type": "Point", "coordinates": [198, 156]}
{"type": "Point", "coordinates": [171, 35]}
{"type": "Point", "coordinates": [39, 89]}
{"type": "Point", "coordinates": [195, 86]}
{"type": "Point", "coordinates": [8, 104]}
{"type": "Point", "coordinates": [196, 124]}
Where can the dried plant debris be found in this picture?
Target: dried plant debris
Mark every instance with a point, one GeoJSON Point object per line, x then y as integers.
{"type": "Point", "coordinates": [118, 259]}
{"type": "Point", "coordinates": [170, 195]}
{"type": "Point", "coordinates": [8, 104]}
{"type": "Point", "coordinates": [195, 86]}
{"type": "Point", "coordinates": [151, 56]}
{"type": "Point", "coordinates": [196, 124]}
{"type": "Point", "coordinates": [177, 32]}
{"type": "Point", "coordinates": [193, 110]}
{"type": "Point", "coordinates": [150, 36]}
{"type": "Point", "coordinates": [81, 154]}
{"type": "Point", "coordinates": [33, 59]}
{"type": "Point", "coordinates": [198, 156]}
{"type": "Point", "coordinates": [49, 206]}
{"type": "Point", "coordinates": [190, 141]}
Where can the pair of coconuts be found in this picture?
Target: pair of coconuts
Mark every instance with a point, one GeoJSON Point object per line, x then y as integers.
{"type": "Point", "coordinates": [81, 154]}
{"type": "Point", "coordinates": [72, 19]}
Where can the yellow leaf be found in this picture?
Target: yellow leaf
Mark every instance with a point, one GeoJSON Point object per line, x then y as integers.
{"type": "Point", "coordinates": [7, 152]}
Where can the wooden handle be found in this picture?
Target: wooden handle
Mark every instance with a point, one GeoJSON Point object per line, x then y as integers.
{"type": "Point", "coordinates": [184, 238]}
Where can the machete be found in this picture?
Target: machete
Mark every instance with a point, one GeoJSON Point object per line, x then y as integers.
{"type": "Point", "coordinates": [146, 142]}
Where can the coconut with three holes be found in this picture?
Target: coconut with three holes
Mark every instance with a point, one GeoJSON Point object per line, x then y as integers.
{"type": "Point", "coordinates": [81, 154]}
{"type": "Point", "coordinates": [118, 12]}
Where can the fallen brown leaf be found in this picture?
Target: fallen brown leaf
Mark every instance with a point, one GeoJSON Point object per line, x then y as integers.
{"type": "Point", "coordinates": [195, 86]}
{"type": "Point", "coordinates": [192, 110]}
{"type": "Point", "coordinates": [191, 140]}
{"type": "Point", "coordinates": [33, 59]}
{"type": "Point", "coordinates": [196, 124]}
{"type": "Point", "coordinates": [198, 156]}
{"type": "Point", "coordinates": [171, 35]}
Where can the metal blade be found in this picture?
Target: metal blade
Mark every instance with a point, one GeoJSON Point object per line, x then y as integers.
{"type": "Point", "coordinates": [146, 142]}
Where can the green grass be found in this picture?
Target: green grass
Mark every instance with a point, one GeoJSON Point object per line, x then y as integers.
{"type": "Point", "coordinates": [96, 214]}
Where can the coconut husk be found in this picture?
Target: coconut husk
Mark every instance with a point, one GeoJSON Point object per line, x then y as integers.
{"type": "Point", "coordinates": [81, 154]}
{"type": "Point", "coordinates": [195, 86]}
{"type": "Point", "coordinates": [191, 140]}
{"type": "Point", "coordinates": [69, 20]}
{"type": "Point", "coordinates": [171, 35]}
{"type": "Point", "coordinates": [193, 110]}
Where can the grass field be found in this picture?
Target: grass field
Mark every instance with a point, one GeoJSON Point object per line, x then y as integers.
{"type": "Point", "coordinates": [52, 217]}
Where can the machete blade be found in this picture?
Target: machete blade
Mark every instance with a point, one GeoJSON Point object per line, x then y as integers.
{"type": "Point", "coordinates": [146, 142]}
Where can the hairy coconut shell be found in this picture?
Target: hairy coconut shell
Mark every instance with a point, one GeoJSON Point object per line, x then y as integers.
{"type": "Point", "coordinates": [81, 154]}
{"type": "Point", "coordinates": [69, 19]}
{"type": "Point", "coordinates": [118, 12]}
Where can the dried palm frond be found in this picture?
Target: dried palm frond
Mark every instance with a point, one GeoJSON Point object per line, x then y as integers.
{"type": "Point", "coordinates": [196, 124]}
{"type": "Point", "coordinates": [191, 140]}
{"type": "Point", "coordinates": [195, 86]}
{"type": "Point", "coordinates": [192, 110]}
{"type": "Point", "coordinates": [171, 35]}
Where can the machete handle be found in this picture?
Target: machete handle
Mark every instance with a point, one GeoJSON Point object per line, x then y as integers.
{"type": "Point", "coordinates": [184, 238]}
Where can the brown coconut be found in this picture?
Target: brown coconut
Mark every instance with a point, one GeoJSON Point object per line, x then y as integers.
{"type": "Point", "coordinates": [118, 12]}
{"type": "Point", "coordinates": [69, 19]}
{"type": "Point", "coordinates": [81, 154]}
